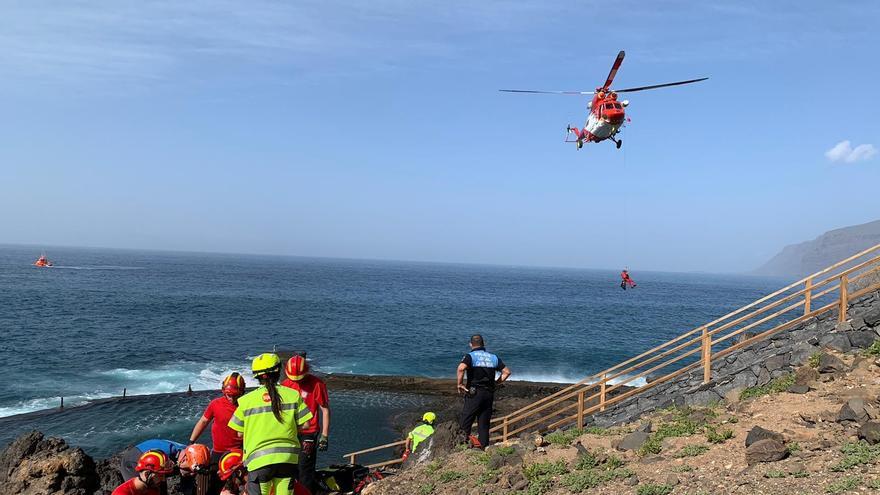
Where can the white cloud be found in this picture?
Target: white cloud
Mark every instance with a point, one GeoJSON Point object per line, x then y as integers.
{"type": "Point", "coordinates": [844, 152]}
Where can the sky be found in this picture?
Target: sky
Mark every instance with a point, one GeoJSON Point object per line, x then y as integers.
{"type": "Point", "coordinates": [375, 129]}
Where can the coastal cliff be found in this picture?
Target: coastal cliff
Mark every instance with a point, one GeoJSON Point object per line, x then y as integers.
{"type": "Point", "coordinates": [799, 260]}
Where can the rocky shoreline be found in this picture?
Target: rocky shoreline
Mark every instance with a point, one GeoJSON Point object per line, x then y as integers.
{"type": "Point", "coordinates": [35, 465]}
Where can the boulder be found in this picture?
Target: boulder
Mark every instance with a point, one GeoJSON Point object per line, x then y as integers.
{"type": "Point", "coordinates": [632, 441]}
{"type": "Point", "coordinates": [862, 339]}
{"type": "Point", "coordinates": [777, 362]}
{"type": "Point", "coordinates": [853, 410]}
{"type": "Point", "coordinates": [830, 364]}
{"type": "Point", "coordinates": [757, 433]}
{"type": "Point", "coordinates": [870, 432]}
{"type": "Point", "coordinates": [644, 427]}
{"type": "Point", "coordinates": [799, 389]}
{"type": "Point", "coordinates": [805, 375]}
{"type": "Point", "coordinates": [872, 318]}
{"type": "Point", "coordinates": [858, 323]}
{"type": "Point", "coordinates": [843, 327]}
{"type": "Point", "coordinates": [767, 450]}
{"type": "Point", "coordinates": [836, 342]}
{"type": "Point", "coordinates": [34, 465]}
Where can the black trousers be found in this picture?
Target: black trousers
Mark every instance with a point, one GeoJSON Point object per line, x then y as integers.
{"type": "Point", "coordinates": [479, 407]}
{"type": "Point", "coordinates": [308, 457]}
{"type": "Point", "coordinates": [267, 474]}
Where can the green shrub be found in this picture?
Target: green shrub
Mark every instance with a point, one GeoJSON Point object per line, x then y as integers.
{"type": "Point", "coordinates": [652, 489]}
{"type": "Point", "coordinates": [433, 467]}
{"type": "Point", "coordinates": [505, 451]}
{"type": "Point", "coordinates": [477, 457]}
{"type": "Point", "coordinates": [484, 477]}
{"type": "Point", "coordinates": [540, 485]}
{"type": "Point", "coordinates": [856, 454]}
{"type": "Point", "coordinates": [426, 489]}
{"type": "Point", "coordinates": [564, 437]}
{"type": "Point", "coordinates": [684, 468]}
{"type": "Point", "coordinates": [537, 470]}
{"type": "Point", "coordinates": [680, 426]}
{"type": "Point", "coordinates": [875, 484]}
{"type": "Point", "coordinates": [614, 462]}
{"type": "Point", "coordinates": [775, 473]}
{"type": "Point", "coordinates": [793, 447]}
{"type": "Point", "coordinates": [714, 436]}
{"type": "Point", "coordinates": [586, 461]}
{"type": "Point", "coordinates": [847, 484]}
{"type": "Point", "coordinates": [591, 478]}
{"type": "Point", "coordinates": [874, 350]}
{"type": "Point", "coordinates": [777, 385]}
{"type": "Point", "coordinates": [813, 361]}
{"type": "Point", "coordinates": [447, 476]}
{"type": "Point", "coordinates": [692, 450]}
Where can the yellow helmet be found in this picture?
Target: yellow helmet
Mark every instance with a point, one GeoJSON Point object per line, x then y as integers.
{"type": "Point", "coordinates": [265, 363]}
{"type": "Point", "coordinates": [429, 418]}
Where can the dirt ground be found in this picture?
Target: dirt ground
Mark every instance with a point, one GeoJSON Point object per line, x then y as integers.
{"type": "Point", "coordinates": [808, 423]}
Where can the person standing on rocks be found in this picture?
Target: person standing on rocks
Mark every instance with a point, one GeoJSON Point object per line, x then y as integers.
{"type": "Point", "coordinates": [481, 368]}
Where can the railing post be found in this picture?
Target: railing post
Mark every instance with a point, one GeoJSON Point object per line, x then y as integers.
{"type": "Point", "coordinates": [808, 295]}
{"type": "Point", "coordinates": [707, 356]}
{"type": "Point", "coordinates": [352, 458]}
{"type": "Point", "coordinates": [580, 409]}
{"type": "Point", "coordinates": [844, 297]}
{"type": "Point", "coordinates": [602, 392]}
{"type": "Point", "coordinates": [504, 430]}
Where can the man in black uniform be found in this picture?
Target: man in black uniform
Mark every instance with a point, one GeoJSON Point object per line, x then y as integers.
{"type": "Point", "coordinates": [479, 393]}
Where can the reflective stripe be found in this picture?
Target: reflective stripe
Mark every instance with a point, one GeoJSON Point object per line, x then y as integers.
{"type": "Point", "coordinates": [271, 450]}
{"type": "Point", "coordinates": [237, 422]}
{"type": "Point", "coordinates": [265, 409]}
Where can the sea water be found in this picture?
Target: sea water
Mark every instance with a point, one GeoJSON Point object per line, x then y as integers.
{"type": "Point", "coordinates": [101, 321]}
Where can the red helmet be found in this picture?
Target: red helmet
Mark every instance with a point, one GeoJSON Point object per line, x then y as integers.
{"type": "Point", "coordinates": [231, 462]}
{"type": "Point", "coordinates": [154, 461]}
{"type": "Point", "coordinates": [233, 385]}
{"type": "Point", "coordinates": [297, 367]}
{"type": "Point", "coordinates": [194, 458]}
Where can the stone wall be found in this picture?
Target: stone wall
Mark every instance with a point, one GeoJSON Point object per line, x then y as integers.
{"type": "Point", "coordinates": [757, 364]}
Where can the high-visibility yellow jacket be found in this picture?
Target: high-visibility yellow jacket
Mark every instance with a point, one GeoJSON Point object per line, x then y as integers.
{"type": "Point", "coordinates": [267, 441]}
{"type": "Point", "coordinates": [420, 434]}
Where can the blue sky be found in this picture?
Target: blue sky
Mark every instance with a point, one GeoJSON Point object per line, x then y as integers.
{"type": "Point", "coordinates": [375, 129]}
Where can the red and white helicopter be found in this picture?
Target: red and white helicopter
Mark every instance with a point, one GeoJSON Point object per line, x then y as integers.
{"type": "Point", "coordinates": [607, 114]}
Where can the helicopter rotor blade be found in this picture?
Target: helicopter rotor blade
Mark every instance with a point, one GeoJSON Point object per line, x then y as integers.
{"type": "Point", "coordinates": [547, 92]}
{"type": "Point", "coordinates": [617, 62]}
{"type": "Point", "coordinates": [654, 86]}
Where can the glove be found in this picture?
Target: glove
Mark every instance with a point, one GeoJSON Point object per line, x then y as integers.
{"type": "Point", "coordinates": [308, 446]}
{"type": "Point", "coordinates": [322, 443]}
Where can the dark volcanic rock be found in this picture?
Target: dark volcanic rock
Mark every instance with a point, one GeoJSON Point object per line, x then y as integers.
{"type": "Point", "coordinates": [862, 339]}
{"type": "Point", "coordinates": [34, 465]}
{"type": "Point", "coordinates": [853, 410]}
{"type": "Point", "coordinates": [872, 317]}
{"type": "Point", "coordinates": [830, 364]}
{"type": "Point", "coordinates": [836, 342]}
{"type": "Point", "coordinates": [870, 432]}
{"type": "Point", "coordinates": [799, 389]}
{"type": "Point", "coordinates": [109, 476]}
{"type": "Point", "coordinates": [805, 375]}
{"type": "Point", "coordinates": [633, 441]}
{"type": "Point", "coordinates": [767, 450]}
{"type": "Point", "coordinates": [757, 433]}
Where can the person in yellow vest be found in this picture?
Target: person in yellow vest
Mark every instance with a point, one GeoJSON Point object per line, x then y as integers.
{"type": "Point", "coordinates": [268, 419]}
{"type": "Point", "coordinates": [420, 433]}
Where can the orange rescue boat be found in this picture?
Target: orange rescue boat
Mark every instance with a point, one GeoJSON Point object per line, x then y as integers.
{"type": "Point", "coordinates": [42, 261]}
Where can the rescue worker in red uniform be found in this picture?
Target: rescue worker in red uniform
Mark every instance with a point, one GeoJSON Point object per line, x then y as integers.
{"type": "Point", "coordinates": [219, 411]}
{"type": "Point", "coordinates": [314, 392]}
{"type": "Point", "coordinates": [625, 281]}
{"type": "Point", "coordinates": [152, 468]}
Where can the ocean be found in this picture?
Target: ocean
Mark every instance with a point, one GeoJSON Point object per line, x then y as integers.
{"type": "Point", "coordinates": [104, 320]}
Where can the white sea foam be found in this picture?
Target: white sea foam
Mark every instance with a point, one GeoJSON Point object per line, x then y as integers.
{"type": "Point", "coordinates": [110, 383]}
